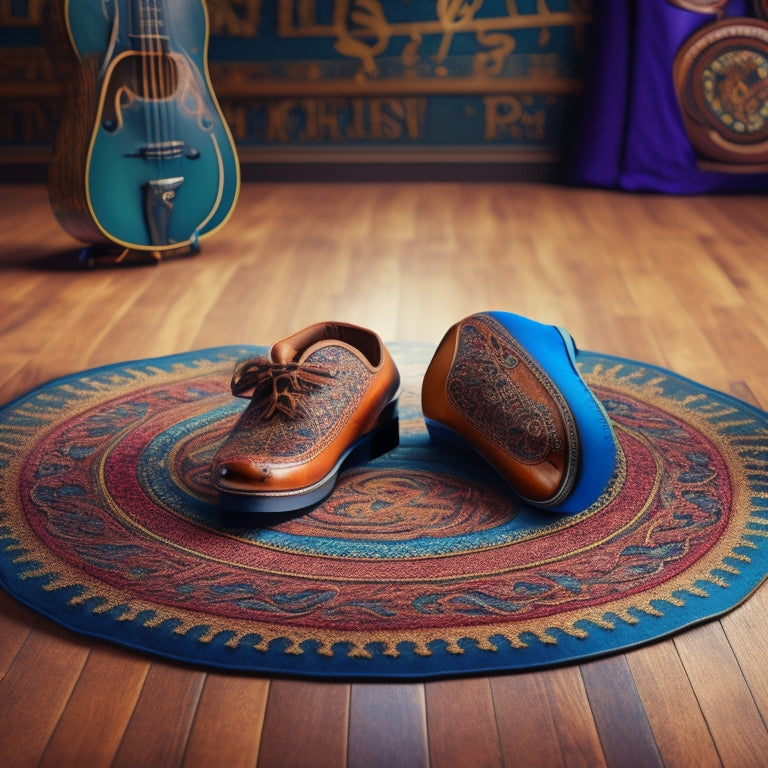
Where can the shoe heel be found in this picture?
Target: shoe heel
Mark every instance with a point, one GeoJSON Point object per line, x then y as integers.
{"type": "Point", "coordinates": [386, 436]}
{"type": "Point", "coordinates": [382, 440]}
{"type": "Point", "coordinates": [445, 438]}
{"type": "Point", "coordinates": [385, 439]}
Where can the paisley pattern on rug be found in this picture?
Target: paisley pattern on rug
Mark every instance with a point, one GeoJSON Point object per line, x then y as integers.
{"type": "Point", "coordinates": [421, 563]}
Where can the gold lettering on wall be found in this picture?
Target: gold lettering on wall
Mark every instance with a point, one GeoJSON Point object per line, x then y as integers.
{"type": "Point", "coordinates": [322, 119]}
{"type": "Point", "coordinates": [236, 18]}
{"type": "Point", "coordinates": [339, 121]}
{"type": "Point", "coordinates": [236, 114]}
{"type": "Point", "coordinates": [392, 119]}
{"type": "Point", "coordinates": [334, 120]}
{"type": "Point", "coordinates": [362, 30]}
{"type": "Point", "coordinates": [513, 117]}
{"type": "Point", "coordinates": [10, 15]}
{"type": "Point", "coordinates": [27, 120]}
{"type": "Point", "coordinates": [279, 120]}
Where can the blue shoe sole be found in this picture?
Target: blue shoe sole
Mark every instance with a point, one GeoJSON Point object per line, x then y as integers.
{"type": "Point", "coordinates": [555, 352]}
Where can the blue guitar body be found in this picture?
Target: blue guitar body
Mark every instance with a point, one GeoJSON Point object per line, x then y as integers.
{"type": "Point", "coordinates": [144, 158]}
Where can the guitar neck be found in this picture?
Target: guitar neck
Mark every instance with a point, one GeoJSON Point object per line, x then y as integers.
{"type": "Point", "coordinates": [148, 29]}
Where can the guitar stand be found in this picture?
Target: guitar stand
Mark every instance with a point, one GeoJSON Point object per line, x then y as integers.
{"type": "Point", "coordinates": [110, 255]}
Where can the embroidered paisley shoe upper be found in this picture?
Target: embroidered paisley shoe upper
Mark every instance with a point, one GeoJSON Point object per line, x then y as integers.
{"type": "Point", "coordinates": [318, 394]}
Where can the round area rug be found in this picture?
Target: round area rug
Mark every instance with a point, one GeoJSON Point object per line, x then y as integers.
{"type": "Point", "coordinates": [420, 563]}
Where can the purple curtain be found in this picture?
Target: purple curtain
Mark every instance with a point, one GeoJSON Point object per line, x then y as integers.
{"type": "Point", "coordinates": [630, 134]}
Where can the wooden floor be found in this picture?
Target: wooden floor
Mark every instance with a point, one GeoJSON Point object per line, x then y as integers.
{"type": "Point", "coordinates": [680, 282]}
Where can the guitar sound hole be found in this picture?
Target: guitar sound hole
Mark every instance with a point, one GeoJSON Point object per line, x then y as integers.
{"type": "Point", "coordinates": [156, 76]}
{"type": "Point", "coordinates": [146, 75]}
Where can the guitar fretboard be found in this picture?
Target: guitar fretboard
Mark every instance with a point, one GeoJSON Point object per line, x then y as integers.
{"type": "Point", "coordinates": [148, 20]}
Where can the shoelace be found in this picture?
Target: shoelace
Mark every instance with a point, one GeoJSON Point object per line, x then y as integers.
{"type": "Point", "coordinates": [278, 387]}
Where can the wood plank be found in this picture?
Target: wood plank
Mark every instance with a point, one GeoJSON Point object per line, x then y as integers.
{"type": "Point", "coordinates": [306, 725]}
{"type": "Point", "coordinates": [743, 352]}
{"type": "Point", "coordinates": [745, 630]}
{"type": "Point", "coordinates": [429, 274]}
{"type": "Point", "coordinates": [387, 726]}
{"type": "Point", "coordinates": [733, 719]}
{"type": "Point", "coordinates": [461, 724]}
{"type": "Point", "coordinates": [35, 691]}
{"type": "Point", "coordinates": [228, 722]}
{"type": "Point", "coordinates": [528, 732]}
{"type": "Point", "coordinates": [669, 700]}
{"type": "Point", "coordinates": [16, 622]}
{"type": "Point", "coordinates": [621, 721]}
{"type": "Point", "coordinates": [371, 296]}
{"type": "Point", "coordinates": [162, 719]}
{"type": "Point", "coordinates": [576, 730]}
{"type": "Point", "coordinates": [104, 697]}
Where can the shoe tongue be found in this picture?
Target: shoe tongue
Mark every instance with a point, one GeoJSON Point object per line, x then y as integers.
{"type": "Point", "coordinates": [296, 348]}
{"type": "Point", "coordinates": [282, 352]}
{"type": "Point", "coordinates": [323, 350]}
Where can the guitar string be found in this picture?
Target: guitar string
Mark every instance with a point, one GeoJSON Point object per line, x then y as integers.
{"type": "Point", "coordinates": [165, 66]}
{"type": "Point", "coordinates": [154, 69]}
{"type": "Point", "coordinates": [145, 53]}
{"type": "Point", "coordinates": [171, 76]}
{"type": "Point", "coordinates": [157, 78]}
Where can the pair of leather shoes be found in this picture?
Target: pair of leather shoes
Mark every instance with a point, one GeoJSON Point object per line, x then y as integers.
{"type": "Point", "coordinates": [499, 384]}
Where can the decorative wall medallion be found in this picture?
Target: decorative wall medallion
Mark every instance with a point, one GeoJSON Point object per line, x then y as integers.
{"type": "Point", "coordinates": [700, 6]}
{"type": "Point", "coordinates": [721, 78]}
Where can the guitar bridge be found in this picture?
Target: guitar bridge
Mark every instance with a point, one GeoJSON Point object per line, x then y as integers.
{"type": "Point", "coordinates": [159, 195]}
{"type": "Point", "coordinates": [162, 150]}
{"type": "Point", "coordinates": [167, 150]}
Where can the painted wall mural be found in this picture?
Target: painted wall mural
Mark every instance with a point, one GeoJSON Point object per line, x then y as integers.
{"type": "Point", "coordinates": [468, 76]}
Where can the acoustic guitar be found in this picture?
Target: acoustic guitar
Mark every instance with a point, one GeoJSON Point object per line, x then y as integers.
{"type": "Point", "coordinates": [143, 158]}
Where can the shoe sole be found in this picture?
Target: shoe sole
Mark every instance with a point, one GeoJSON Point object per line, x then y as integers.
{"type": "Point", "coordinates": [370, 446]}
{"type": "Point", "coordinates": [597, 441]}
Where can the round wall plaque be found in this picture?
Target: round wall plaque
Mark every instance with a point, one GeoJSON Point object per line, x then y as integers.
{"type": "Point", "coordinates": [721, 78]}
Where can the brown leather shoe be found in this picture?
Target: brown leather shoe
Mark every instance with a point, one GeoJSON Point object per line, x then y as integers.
{"type": "Point", "coordinates": [509, 388]}
{"type": "Point", "coordinates": [322, 397]}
